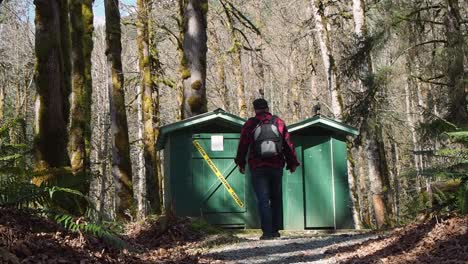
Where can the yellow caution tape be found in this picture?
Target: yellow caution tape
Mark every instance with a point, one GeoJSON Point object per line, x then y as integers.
{"type": "Point", "coordinates": [218, 174]}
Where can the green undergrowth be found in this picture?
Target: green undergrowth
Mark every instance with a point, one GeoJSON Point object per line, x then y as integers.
{"type": "Point", "coordinates": [52, 199]}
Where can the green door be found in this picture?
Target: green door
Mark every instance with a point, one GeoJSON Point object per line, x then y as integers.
{"type": "Point", "coordinates": [318, 183]}
{"type": "Point", "coordinates": [293, 192]}
{"type": "Point", "coordinates": [214, 201]}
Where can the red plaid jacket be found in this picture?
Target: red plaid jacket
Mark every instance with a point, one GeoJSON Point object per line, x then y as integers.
{"type": "Point", "coordinates": [289, 154]}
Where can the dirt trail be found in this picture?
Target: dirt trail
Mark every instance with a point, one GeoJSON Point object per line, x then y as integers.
{"type": "Point", "coordinates": [442, 241]}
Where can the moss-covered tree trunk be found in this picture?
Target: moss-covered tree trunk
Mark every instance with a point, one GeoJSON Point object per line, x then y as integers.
{"type": "Point", "coordinates": [77, 149]}
{"type": "Point", "coordinates": [88, 17]}
{"type": "Point", "coordinates": [149, 105]}
{"type": "Point", "coordinates": [183, 70]}
{"type": "Point", "coordinates": [121, 164]}
{"type": "Point", "coordinates": [458, 112]}
{"type": "Point", "coordinates": [194, 64]}
{"type": "Point", "coordinates": [52, 107]}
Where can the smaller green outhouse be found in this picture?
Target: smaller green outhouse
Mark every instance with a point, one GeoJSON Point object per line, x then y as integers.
{"type": "Point", "coordinates": [316, 195]}
{"type": "Point", "coordinates": [194, 149]}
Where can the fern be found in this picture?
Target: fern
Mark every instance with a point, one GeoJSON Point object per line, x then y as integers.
{"type": "Point", "coordinates": [80, 225]}
{"type": "Point", "coordinates": [17, 190]}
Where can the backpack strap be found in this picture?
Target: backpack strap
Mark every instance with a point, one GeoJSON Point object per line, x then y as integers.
{"type": "Point", "coordinates": [273, 119]}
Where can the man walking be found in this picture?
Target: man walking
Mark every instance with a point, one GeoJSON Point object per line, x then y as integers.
{"type": "Point", "coordinates": [270, 149]}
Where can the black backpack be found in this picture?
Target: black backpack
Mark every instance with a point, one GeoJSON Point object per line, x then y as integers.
{"type": "Point", "coordinates": [268, 141]}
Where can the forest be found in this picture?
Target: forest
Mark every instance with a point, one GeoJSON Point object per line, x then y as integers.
{"type": "Point", "coordinates": [86, 85]}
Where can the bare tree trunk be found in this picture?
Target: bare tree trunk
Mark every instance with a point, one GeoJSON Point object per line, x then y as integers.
{"type": "Point", "coordinates": [458, 112]}
{"type": "Point", "coordinates": [394, 179]}
{"type": "Point", "coordinates": [195, 48]}
{"type": "Point", "coordinates": [150, 105]}
{"type": "Point", "coordinates": [102, 158]}
{"type": "Point", "coordinates": [221, 70]}
{"type": "Point", "coordinates": [140, 177]}
{"type": "Point", "coordinates": [365, 205]}
{"type": "Point", "coordinates": [353, 189]}
{"type": "Point", "coordinates": [236, 53]}
{"type": "Point", "coordinates": [2, 101]}
{"type": "Point", "coordinates": [370, 134]}
{"type": "Point", "coordinates": [52, 107]}
{"type": "Point", "coordinates": [376, 184]}
{"type": "Point", "coordinates": [121, 164]}
{"type": "Point", "coordinates": [295, 87]}
{"type": "Point", "coordinates": [323, 37]}
{"type": "Point", "coordinates": [77, 150]}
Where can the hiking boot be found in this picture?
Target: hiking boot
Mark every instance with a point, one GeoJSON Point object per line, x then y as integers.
{"type": "Point", "coordinates": [267, 237]}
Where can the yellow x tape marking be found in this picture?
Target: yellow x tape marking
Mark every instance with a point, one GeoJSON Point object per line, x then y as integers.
{"type": "Point", "coordinates": [218, 174]}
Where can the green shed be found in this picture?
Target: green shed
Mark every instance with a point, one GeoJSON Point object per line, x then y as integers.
{"type": "Point", "coordinates": [191, 186]}
{"type": "Point", "coordinates": [316, 195]}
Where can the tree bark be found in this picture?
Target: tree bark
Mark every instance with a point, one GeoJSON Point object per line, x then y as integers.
{"type": "Point", "coordinates": [295, 87]}
{"type": "Point", "coordinates": [457, 111]}
{"type": "Point", "coordinates": [236, 52]}
{"type": "Point", "coordinates": [77, 149]}
{"type": "Point", "coordinates": [221, 70]}
{"type": "Point", "coordinates": [52, 107]}
{"type": "Point", "coordinates": [370, 134]}
{"type": "Point", "coordinates": [2, 100]}
{"type": "Point", "coordinates": [323, 37]}
{"type": "Point", "coordinates": [353, 189]}
{"type": "Point", "coordinates": [194, 66]}
{"type": "Point", "coordinates": [183, 68]}
{"type": "Point", "coordinates": [150, 105]}
{"type": "Point", "coordinates": [88, 45]}
{"type": "Point", "coordinates": [121, 164]}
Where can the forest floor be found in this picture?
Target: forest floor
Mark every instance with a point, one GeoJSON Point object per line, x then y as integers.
{"type": "Point", "coordinates": [26, 238]}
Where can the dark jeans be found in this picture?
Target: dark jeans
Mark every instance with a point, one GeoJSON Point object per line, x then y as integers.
{"type": "Point", "coordinates": [268, 190]}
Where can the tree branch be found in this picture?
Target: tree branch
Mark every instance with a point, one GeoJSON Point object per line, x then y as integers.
{"type": "Point", "coordinates": [430, 80]}
{"type": "Point", "coordinates": [238, 14]}
{"type": "Point", "coordinates": [420, 20]}
{"type": "Point", "coordinates": [429, 42]}
{"type": "Point", "coordinates": [424, 9]}
{"type": "Point", "coordinates": [163, 27]}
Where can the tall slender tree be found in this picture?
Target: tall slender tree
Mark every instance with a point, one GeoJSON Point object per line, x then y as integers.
{"type": "Point", "coordinates": [236, 53]}
{"type": "Point", "coordinates": [88, 45]}
{"type": "Point", "coordinates": [77, 149]}
{"type": "Point", "coordinates": [220, 68]}
{"type": "Point", "coordinates": [194, 62]}
{"type": "Point", "coordinates": [369, 128]}
{"type": "Point", "coordinates": [2, 101]}
{"type": "Point", "coordinates": [149, 105]}
{"type": "Point", "coordinates": [121, 164]}
{"type": "Point", "coordinates": [323, 37]}
{"type": "Point", "coordinates": [52, 107]}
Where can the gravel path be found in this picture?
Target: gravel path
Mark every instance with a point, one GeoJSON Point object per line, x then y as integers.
{"type": "Point", "coordinates": [299, 248]}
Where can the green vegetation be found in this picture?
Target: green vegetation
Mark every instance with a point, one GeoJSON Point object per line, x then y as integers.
{"type": "Point", "coordinates": [53, 201]}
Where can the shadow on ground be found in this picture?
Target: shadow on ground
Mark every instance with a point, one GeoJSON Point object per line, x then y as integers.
{"type": "Point", "coordinates": [294, 249]}
{"type": "Point", "coordinates": [404, 243]}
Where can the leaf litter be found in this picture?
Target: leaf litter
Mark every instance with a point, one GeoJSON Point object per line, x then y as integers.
{"type": "Point", "coordinates": [28, 238]}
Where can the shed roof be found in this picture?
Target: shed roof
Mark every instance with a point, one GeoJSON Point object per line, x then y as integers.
{"type": "Point", "coordinates": [325, 123]}
{"type": "Point", "coordinates": [199, 120]}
